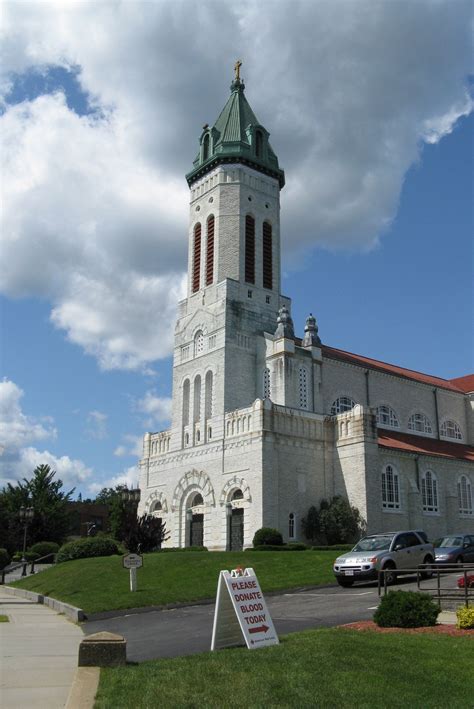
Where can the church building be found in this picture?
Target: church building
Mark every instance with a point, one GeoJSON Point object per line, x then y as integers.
{"type": "Point", "coordinates": [266, 423]}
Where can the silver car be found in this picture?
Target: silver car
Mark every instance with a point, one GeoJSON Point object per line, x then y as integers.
{"type": "Point", "coordinates": [390, 551]}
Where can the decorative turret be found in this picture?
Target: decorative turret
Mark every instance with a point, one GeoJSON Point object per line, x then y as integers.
{"type": "Point", "coordinates": [285, 324]}
{"type": "Point", "coordinates": [237, 136]}
{"type": "Point", "coordinates": [311, 338]}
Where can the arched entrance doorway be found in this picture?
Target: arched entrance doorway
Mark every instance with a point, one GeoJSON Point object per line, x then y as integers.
{"type": "Point", "coordinates": [195, 515]}
{"type": "Point", "coordinates": [157, 511]}
{"type": "Point", "coordinates": [235, 533]}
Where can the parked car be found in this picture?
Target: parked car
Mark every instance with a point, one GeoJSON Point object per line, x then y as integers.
{"type": "Point", "coordinates": [391, 552]}
{"type": "Point", "coordinates": [455, 549]}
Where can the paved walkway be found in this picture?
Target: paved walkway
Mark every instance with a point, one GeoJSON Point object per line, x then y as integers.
{"type": "Point", "coordinates": [38, 655]}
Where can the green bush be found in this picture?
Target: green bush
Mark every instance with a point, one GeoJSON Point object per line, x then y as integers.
{"type": "Point", "coordinates": [4, 558]}
{"type": "Point", "coordinates": [183, 549]}
{"type": "Point", "coordinates": [334, 547]}
{"type": "Point", "coordinates": [276, 547]}
{"type": "Point", "coordinates": [465, 618]}
{"type": "Point", "coordinates": [267, 535]}
{"type": "Point", "coordinates": [406, 609]}
{"type": "Point", "coordinates": [29, 556]}
{"type": "Point", "coordinates": [44, 548]}
{"type": "Point", "coordinates": [87, 547]}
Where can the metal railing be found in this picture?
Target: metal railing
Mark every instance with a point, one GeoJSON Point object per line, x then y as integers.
{"type": "Point", "coordinates": [24, 564]}
{"type": "Point", "coordinates": [426, 573]}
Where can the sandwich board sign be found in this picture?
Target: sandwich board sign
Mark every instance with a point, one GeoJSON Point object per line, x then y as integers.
{"type": "Point", "coordinates": [241, 612]}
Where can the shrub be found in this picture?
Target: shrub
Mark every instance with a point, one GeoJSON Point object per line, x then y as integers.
{"type": "Point", "coordinates": [168, 549]}
{"type": "Point", "coordinates": [339, 521]}
{"type": "Point", "coordinates": [278, 547]}
{"type": "Point", "coordinates": [44, 548]}
{"type": "Point", "coordinates": [267, 535]}
{"type": "Point", "coordinates": [310, 524]}
{"type": "Point", "coordinates": [84, 548]}
{"type": "Point", "coordinates": [465, 618]}
{"type": "Point", "coordinates": [29, 556]}
{"type": "Point", "coordinates": [4, 558]}
{"type": "Point", "coordinates": [406, 609]}
{"type": "Point", "coordinates": [334, 547]}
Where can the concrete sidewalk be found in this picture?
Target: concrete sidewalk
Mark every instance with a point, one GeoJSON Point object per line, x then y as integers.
{"type": "Point", "coordinates": [38, 655]}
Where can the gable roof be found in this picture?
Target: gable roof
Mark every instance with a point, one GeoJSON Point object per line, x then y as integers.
{"type": "Point", "coordinates": [466, 384]}
{"type": "Point", "coordinates": [407, 442]}
{"type": "Point", "coordinates": [369, 363]}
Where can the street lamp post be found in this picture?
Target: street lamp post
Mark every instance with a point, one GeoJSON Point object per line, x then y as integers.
{"type": "Point", "coordinates": [26, 515]}
{"type": "Point", "coordinates": [131, 498]}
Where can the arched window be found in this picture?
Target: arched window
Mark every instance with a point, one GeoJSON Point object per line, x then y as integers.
{"type": "Point", "coordinates": [205, 147]}
{"type": "Point", "coordinates": [258, 144]}
{"type": "Point", "coordinates": [450, 429]}
{"type": "Point", "coordinates": [197, 500]}
{"type": "Point", "coordinates": [420, 423]}
{"type": "Point", "coordinates": [196, 275]}
{"type": "Point", "coordinates": [267, 262]}
{"type": "Point", "coordinates": [198, 343]}
{"type": "Point", "coordinates": [197, 399]}
{"type": "Point", "coordinates": [249, 249]}
{"type": "Point", "coordinates": [303, 382]}
{"type": "Point", "coordinates": [343, 403]}
{"type": "Point", "coordinates": [291, 526]}
{"type": "Point", "coordinates": [210, 251]}
{"type": "Point", "coordinates": [208, 402]}
{"type": "Point", "coordinates": [429, 492]}
{"type": "Point", "coordinates": [390, 489]}
{"type": "Point", "coordinates": [156, 508]}
{"type": "Point", "coordinates": [186, 403]}
{"type": "Point", "coordinates": [237, 495]}
{"type": "Point", "coordinates": [464, 496]}
{"type": "Point", "coordinates": [386, 416]}
{"type": "Point", "coordinates": [266, 383]}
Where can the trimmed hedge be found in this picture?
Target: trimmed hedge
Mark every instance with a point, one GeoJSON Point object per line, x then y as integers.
{"type": "Point", "coordinates": [267, 536]}
{"type": "Point", "coordinates": [29, 556]}
{"type": "Point", "coordinates": [276, 547]}
{"type": "Point", "coordinates": [183, 549]}
{"type": "Point", "coordinates": [4, 558]}
{"type": "Point", "coordinates": [465, 618]}
{"type": "Point", "coordinates": [406, 609]}
{"type": "Point", "coordinates": [334, 547]}
{"type": "Point", "coordinates": [87, 547]}
{"type": "Point", "coordinates": [44, 548]}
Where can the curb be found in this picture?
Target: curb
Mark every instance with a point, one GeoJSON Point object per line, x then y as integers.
{"type": "Point", "coordinates": [75, 614]}
{"type": "Point", "coordinates": [84, 688]}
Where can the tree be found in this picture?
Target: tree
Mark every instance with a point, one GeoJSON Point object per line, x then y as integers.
{"type": "Point", "coordinates": [310, 524]}
{"type": "Point", "coordinates": [339, 521]}
{"type": "Point", "coordinates": [145, 533]}
{"type": "Point", "coordinates": [51, 521]}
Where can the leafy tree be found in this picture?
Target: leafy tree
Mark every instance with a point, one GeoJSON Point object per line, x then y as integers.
{"type": "Point", "coordinates": [311, 524]}
{"type": "Point", "coordinates": [339, 521]}
{"type": "Point", "coordinates": [51, 521]}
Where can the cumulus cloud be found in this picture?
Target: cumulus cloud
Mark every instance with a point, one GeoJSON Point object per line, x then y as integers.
{"type": "Point", "coordinates": [97, 223]}
{"type": "Point", "coordinates": [157, 408]}
{"type": "Point", "coordinates": [132, 445]}
{"type": "Point", "coordinates": [18, 457]}
{"type": "Point", "coordinates": [128, 477]}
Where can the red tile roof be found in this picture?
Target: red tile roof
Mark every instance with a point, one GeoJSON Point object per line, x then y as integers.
{"type": "Point", "coordinates": [466, 383]}
{"type": "Point", "coordinates": [369, 363]}
{"type": "Point", "coordinates": [429, 446]}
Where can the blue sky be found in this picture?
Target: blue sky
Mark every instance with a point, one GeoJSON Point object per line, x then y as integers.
{"type": "Point", "coordinates": [377, 216]}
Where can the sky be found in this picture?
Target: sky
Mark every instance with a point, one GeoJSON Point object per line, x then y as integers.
{"type": "Point", "coordinates": [370, 110]}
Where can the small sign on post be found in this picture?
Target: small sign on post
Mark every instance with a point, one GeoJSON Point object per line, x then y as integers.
{"type": "Point", "coordinates": [241, 612]}
{"type": "Point", "coordinates": [132, 562]}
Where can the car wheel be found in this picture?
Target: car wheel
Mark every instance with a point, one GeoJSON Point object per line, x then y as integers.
{"type": "Point", "coordinates": [390, 574]}
{"type": "Point", "coordinates": [427, 572]}
{"type": "Point", "coordinates": [345, 583]}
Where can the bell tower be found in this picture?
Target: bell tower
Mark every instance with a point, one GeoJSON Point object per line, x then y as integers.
{"type": "Point", "coordinates": [233, 285]}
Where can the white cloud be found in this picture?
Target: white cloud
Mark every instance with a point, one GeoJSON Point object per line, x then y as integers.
{"type": "Point", "coordinates": [133, 445]}
{"type": "Point", "coordinates": [128, 477]}
{"type": "Point", "coordinates": [96, 425]}
{"type": "Point", "coordinates": [350, 92]}
{"type": "Point", "coordinates": [18, 458]}
{"type": "Point", "coordinates": [157, 408]}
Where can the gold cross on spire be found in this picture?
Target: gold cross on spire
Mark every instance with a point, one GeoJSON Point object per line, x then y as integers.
{"type": "Point", "coordinates": [237, 66]}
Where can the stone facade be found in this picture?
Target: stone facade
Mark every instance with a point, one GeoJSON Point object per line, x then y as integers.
{"type": "Point", "coordinates": [265, 424]}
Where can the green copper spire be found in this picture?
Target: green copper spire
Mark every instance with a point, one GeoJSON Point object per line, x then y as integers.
{"type": "Point", "coordinates": [236, 136]}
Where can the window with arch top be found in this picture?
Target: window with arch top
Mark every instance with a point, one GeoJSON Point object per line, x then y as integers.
{"type": "Point", "coordinates": [451, 429]}
{"type": "Point", "coordinates": [420, 423]}
{"type": "Point", "coordinates": [196, 272]}
{"type": "Point", "coordinates": [198, 343]}
{"type": "Point", "coordinates": [390, 488]}
{"type": "Point", "coordinates": [342, 403]}
{"type": "Point", "coordinates": [267, 258]}
{"type": "Point", "coordinates": [386, 416]}
{"type": "Point", "coordinates": [186, 403]}
{"type": "Point", "coordinates": [258, 144]}
{"type": "Point", "coordinates": [465, 496]}
{"type": "Point", "coordinates": [291, 525]}
{"type": "Point", "coordinates": [205, 147]}
{"type": "Point", "coordinates": [429, 492]}
{"type": "Point", "coordinates": [266, 383]}
{"type": "Point", "coordinates": [210, 251]}
{"type": "Point", "coordinates": [249, 249]}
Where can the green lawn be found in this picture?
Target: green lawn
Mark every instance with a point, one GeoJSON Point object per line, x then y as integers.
{"type": "Point", "coordinates": [321, 668]}
{"type": "Point", "coordinates": [102, 584]}
{"type": "Point", "coordinates": [4, 618]}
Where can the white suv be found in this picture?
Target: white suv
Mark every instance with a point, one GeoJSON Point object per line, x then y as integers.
{"type": "Point", "coordinates": [390, 551]}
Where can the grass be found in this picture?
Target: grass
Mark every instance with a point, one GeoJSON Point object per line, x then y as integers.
{"type": "Point", "coordinates": [322, 668]}
{"type": "Point", "coordinates": [101, 584]}
{"type": "Point", "coordinates": [4, 618]}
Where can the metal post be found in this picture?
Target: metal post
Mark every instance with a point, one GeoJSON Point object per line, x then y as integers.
{"type": "Point", "coordinates": [133, 579]}
{"type": "Point", "coordinates": [439, 587]}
